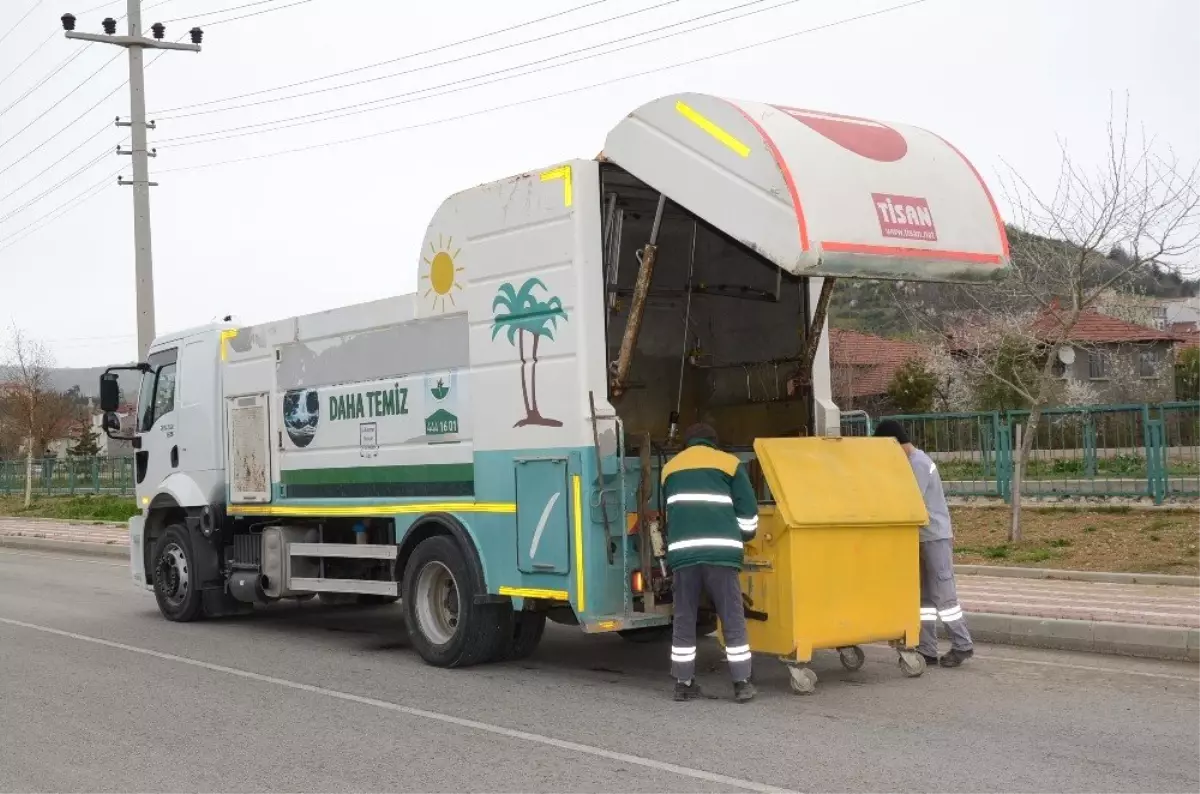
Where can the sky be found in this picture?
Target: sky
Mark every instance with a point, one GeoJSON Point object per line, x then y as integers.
{"type": "Point", "coordinates": [240, 229]}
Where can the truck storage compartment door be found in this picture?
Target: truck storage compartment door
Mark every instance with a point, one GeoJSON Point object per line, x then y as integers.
{"type": "Point", "coordinates": [818, 194]}
{"type": "Point", "coordinates": [543, 529]}
{"type": "Point", "coordinates": [249, 468]}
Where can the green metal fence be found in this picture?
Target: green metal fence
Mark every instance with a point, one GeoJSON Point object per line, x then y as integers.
{"type": "Point", "coordinates": [1144, 451]}
{"type": "Point", "coordinates": [69, 476]}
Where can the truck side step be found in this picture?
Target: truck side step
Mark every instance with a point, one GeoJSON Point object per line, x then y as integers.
{"type": "Point", "coordinates": [357, 551]}
{"type": "Point", "coordinates": [360, 586]}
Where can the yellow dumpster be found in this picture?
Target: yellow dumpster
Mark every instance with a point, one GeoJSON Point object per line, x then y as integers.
{"type": "Point", "coordinates": [834, 564]}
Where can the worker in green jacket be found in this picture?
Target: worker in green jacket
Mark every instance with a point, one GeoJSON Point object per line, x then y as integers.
{"type": "Point", "coordinates": [711, 512]}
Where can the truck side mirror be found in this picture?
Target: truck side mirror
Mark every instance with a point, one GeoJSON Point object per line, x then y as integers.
{"type": "Point", "coordinates": [112, 422]}
{"type": "Point", "coordinates": [110, 394]}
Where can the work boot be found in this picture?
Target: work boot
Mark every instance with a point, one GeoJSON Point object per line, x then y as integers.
{"type": "Point", "coordinates": [743, 691]}
{"type": "Point", "coordinates": [687, 690]}
{"type": "Point", "coordinates": [956, 657]}
{"type": "Point", "coordinates": [930, 661]}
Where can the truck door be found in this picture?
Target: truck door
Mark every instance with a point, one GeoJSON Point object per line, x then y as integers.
{"type": "Point", "coordinates": [158, 453]}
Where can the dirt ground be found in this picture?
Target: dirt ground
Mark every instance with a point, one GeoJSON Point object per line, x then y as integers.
{"type": "Point", "coordinates": [1111, 539]}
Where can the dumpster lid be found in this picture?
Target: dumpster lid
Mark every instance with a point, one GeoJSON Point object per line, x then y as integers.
{"type": "Point", "coordinates": [841, 481]}
{"type": "Point", "coordinates": [818, 194]}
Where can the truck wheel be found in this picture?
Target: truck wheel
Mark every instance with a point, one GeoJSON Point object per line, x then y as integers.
{"type": "Point", "coordinates": [445, 624]}
{"type": "Point", "coordinates": [176, 588]}
{"type": "Point", "coordinates": [528, 628]}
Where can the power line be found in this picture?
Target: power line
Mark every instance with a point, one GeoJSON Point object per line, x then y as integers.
{"type": "Point", "coordinates": [77, 172]}
{"type": "Point", "coordinates": [62, 65]}
{"type": "Point", "coordinates": [28, 57]}
{"type": "Point", "coordinates": [79, 198]}
{"type": "Point", "coordinates": [439, 48]}
{"type": "Point", "coordinates": [25, 16]}
{"type": "Point", "coordinates": [80, 117]}
{"type": "Point", "coordinates": [107, 126]}
{"type": "Point", "coordinates": [556, 95]}
{"type": "Point", "coordinates": [217, 11]}
{"type": "Point", "coordinates": [363, 107]}
{"type": "Point", "coordinates": [459, 60]}
{"type": "Point", "coordinates": [256, 13]}
{"type": "Point", "coordinates": [61, 99]}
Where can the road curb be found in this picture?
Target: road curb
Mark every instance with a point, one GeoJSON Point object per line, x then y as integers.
{"type": "Point", "coordinates": [1176, 643]}
{"type": "Point", "coordinates": [114, 550]}
{"type": "Point", "coordinates": [90, 522]}
{"type": "Point", "coordinates": [1078, 576]}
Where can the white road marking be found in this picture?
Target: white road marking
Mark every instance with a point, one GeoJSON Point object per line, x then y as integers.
{"type": "Point", "coordinates": [562, 744]}
{"type": "Point", "coordinates": [1089, 668]}
{"type": "Point", "coordinates": [541, 524]}
{"type": "Point", "coordinates": [988, 657]}
{"type": "Point", "coordinates": [68, 559]}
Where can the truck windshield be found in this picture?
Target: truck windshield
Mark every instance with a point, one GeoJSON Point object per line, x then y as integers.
{"type": "Point", "coordinates": [157, 396]}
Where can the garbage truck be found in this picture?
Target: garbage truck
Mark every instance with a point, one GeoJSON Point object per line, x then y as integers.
{"type": "Point", "coordinates": [485, 449]}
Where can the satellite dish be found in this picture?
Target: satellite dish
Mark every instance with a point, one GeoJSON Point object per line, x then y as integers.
{"type": "Point", "coordinates": [1066, 355]}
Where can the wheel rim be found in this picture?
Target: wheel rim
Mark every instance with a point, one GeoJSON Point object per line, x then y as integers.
{"type": "Point", "coordinates": [437, 603]}
{"type": "Point", "coordinates": [171, 575]}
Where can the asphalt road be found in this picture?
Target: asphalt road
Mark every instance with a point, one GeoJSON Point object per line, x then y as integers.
{"type": "Point", "coordinates": [98, 693]}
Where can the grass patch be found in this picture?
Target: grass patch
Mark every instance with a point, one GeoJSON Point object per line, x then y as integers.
{"type": "Point", "coordinates": [72, 508]}
{"type": "Point", "coordinates": [1122, 540]}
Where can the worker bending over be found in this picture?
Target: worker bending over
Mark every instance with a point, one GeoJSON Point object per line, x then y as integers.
{"type": "Point", "coordinates": [711, 512]}
{"type": "Point", "coordinates": [939, 596]}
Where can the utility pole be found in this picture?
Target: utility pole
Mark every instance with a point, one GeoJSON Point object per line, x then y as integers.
{"type": "Point", "coordinates": [135, 43]}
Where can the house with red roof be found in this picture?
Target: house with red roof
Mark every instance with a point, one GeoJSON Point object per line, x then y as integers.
{"type": "Point", "coordinates": [1121, 361]}
{"type": "Point", "coordinates": [862, 366]}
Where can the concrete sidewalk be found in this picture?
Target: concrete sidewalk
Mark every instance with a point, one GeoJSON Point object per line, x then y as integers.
{"type": "Point", "coordinates": [1158, 621]}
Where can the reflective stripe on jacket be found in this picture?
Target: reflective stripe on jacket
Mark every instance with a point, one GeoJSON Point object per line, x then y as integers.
{"type": "Point", "coordinates": [711, 507]}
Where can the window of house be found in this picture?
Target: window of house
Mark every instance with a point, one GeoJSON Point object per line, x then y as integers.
{"type": "Point", "coordinates": [157, 397]}
{"type": "Point", "coordinates": [1098, 365]}
{"type": "Point", "coordinates": [1148, 364]}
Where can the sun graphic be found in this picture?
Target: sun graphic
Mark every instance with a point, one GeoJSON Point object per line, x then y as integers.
{"type": "Point", "coordinates": [442, 274]}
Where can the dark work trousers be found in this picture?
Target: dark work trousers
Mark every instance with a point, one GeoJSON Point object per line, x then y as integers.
{"type": "Point", "coordinates": [939, 598]}
{"type": "Point", "coordinates": [721, 584]}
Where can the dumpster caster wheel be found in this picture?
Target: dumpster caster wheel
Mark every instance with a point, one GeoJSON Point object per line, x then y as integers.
{"type": "Point", "coordinates": [912, 663]}
{"type": "Point", "coordinates": [852, 657]}
{"type": "Point", "coordinates": [803, 680]}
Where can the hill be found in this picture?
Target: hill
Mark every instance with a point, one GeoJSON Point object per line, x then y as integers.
{"type": "Point", "coordinates": [874, 306]}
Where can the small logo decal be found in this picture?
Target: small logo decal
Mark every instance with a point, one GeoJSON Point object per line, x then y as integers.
{"type": "Point", "coordinates": [906, 217]}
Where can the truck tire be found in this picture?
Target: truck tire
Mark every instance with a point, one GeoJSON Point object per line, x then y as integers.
{"type": "Point", "coordinates": [528, 628]}
{"type": "Point", "coordinates": [176, 588]}
{"type": "Point", "coordinates": [445, 625]}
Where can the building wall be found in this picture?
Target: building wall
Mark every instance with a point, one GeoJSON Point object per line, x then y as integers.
{"type": "Point", "coordinates": [1124, 381]}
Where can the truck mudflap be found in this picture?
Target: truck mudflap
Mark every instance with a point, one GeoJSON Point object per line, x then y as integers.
{"type": "Point", "coordinates": [818, 194]}
{"type": "Point", "coordinates": [137, 553]}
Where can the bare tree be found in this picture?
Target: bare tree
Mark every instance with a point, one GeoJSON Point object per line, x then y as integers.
{"type": "Point", "coordinates": [1098, 230]}
{"type": "Point", "coordinates": [31, 406]}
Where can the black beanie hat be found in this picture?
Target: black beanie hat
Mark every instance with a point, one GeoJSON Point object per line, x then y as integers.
{"type": "Point", "coordinates": [890, 428]}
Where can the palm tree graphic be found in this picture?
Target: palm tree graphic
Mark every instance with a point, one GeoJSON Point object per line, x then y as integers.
{"type": "Point", "coordinates": [525, 314]}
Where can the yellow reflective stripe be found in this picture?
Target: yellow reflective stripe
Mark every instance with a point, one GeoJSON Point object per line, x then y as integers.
{"type": "Point", "coordinates": [533, 592]}
{"type": "Point", "coordinates": [563, 172]}
{"type": "Point", "coordinates": [739, 148]}
{"type": "Point", "coordinates": [577, 494]}
{"type": "Point", "coordinates": [225, 337]}
{"type": "Point", "coordinates": [372, 510]}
